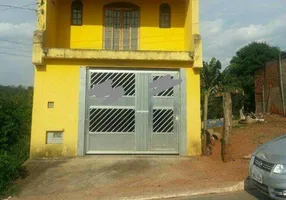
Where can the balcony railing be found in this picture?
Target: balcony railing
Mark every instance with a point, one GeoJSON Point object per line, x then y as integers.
{"type": "Point", "coordinates": [41, 53]}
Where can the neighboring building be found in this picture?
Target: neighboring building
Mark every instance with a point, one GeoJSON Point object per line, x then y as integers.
{"type": "Point", "coordinates": [270, 85]}
{"type": "Point", "coordinates": [81, 44]}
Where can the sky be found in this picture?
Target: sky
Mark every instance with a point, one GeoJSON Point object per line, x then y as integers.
{"type": "Point", "coordinates": [225, 26]}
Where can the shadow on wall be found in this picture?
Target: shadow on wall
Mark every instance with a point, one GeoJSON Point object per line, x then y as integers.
{"type": "Point", "coordinates": [41, 68]}
{"type": "Point", "coordinates": [52, 151]}
{"type": "Point", "coordinates": [196, 149]}
{"type": "Point", "coordinates": [149, 15]}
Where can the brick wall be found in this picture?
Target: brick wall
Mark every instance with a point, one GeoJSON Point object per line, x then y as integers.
{"type": "Point", "coordinates": [259, 83]}
{"type": "Point", "coordinates": [267, 84]}
{"type": "Point", "coordinates": [283, 69]}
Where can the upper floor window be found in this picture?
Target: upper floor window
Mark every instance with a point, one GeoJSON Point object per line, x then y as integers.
{"type": "Point", "coordinates": [121, 26]}
{"type": "Point", "coordinates": [165, 16]}
{"type": "Point", "coordinates": [77, 11]}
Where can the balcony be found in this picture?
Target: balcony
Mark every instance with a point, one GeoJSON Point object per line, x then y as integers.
{"type": "Point", "coordinates": [57, 53]}
{"type": "Point", "coordinates": [146, 37]}
{"type": "Point", "coordinates": [43, 53]}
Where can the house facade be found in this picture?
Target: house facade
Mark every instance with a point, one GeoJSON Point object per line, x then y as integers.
{"type": "Point", "coordinates": [125, 47]}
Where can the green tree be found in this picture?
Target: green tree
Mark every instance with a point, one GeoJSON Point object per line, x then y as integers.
{"type": "Point", "coordinates": [15, 123]}
{"type": "Point", "coordinates": [210, 75]}
{"type": "Point", "coordinates": [244, 64]}
{"type": "Point", "coordinates": [210, 79]}
{"type": "Point", "coordinates": [213, 84]}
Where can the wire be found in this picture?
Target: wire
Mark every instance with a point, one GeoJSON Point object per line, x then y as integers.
{"type": "Point", "coordinates": [15, 42]}
{"type": "Point", "coordinates": [100, 40]}
{"type": "Point", "coordinates": [31, 4]}
{"type": "Point", "coordinates": [24, 50]}
{"type": "Point", "coordinates": [27, 5]}
{"type": "Point", "coordinates": [18, 7]}
{"type": "Point", "coordinates": [12, 54]}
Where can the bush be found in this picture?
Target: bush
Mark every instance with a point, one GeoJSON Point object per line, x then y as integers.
{"type": "Point", "coordinates": [215, 107]}
{"type": "Point", "coordinates": [15, 123]}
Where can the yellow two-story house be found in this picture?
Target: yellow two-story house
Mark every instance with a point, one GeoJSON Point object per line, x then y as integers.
{"type": "Point", "coordinates": [133, 46]}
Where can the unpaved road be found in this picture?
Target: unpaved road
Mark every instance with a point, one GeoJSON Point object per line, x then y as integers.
{"type": "Point", "coordinates": [115, 177]}
{"type": "Point", "coordinates": [129, 177]}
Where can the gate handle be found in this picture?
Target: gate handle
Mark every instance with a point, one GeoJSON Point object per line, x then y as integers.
{"type": "Point", "coordinates": [142, 111]}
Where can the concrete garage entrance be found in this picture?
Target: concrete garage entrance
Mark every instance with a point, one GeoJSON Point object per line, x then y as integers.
{"type": "Point", "coordinates": [138, 122]}
{"type": "Point", "coordinates": [119, 177]}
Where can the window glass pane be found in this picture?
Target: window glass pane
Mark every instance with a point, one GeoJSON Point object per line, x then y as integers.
{"type": "Point", "coordinates": [77, 7]}
{"type": "Point", "coordinates": [167, 19]}
{"type": "Point", "coordinates": [108, 30]}
{"type": "Point", "coordinates": [108, 35]}
{"type": "Point", "coordinates": [121, 29]}
{"type": "Point", "coordinates": [165, 13]}
{"type": "Point", "coordinates": [134, 30]}
{"type": "Point", "coordinates": [116, 29]}
{"type": "Point", "coordinates": [126, 30]}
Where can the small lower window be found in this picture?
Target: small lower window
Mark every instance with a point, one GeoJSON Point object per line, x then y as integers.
{"type": "Point", "coordinates": [54, 137]}
{"type": "Point", "coordinates": [50, 104]}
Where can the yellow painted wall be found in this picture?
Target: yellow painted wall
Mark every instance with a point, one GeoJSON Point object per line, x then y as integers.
{"type": "Point", "coordinates": [60, 84]}
{"type": "Point", "coordinates": [193, 111]}
{"type": "Point", "coordinates": [58, 80]}
{"type": "Point", "coordinates": [188, 25]}
{"type": "Point", "coordinates": [154, 38]}
{"type": "Point", "coordinates": [50, 37]}
{"type": "Point", "coordinates": [193, 104]}
{"type": "Point", "coordinates": [90, 34]}
{"type": "Point", "coordinates": [63, 25]}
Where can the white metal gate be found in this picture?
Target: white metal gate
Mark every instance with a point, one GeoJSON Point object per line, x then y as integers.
{"type": "Point", "coordinates": [137, 122]}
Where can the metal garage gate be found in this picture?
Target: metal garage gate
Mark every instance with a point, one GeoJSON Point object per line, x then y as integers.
{"type": "Point", "coordinates": [136, 123]}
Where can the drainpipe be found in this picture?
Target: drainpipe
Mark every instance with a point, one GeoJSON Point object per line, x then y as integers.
{"type": "Point", "coordinates": [281, 83]}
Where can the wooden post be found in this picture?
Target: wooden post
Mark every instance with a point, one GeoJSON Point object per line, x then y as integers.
{"type": "Point", "coordinates": [281, 83]}
{"type": "Point", "coordinates": [269, 99]}
{"type": "Point", "coordinates": [227, 109]}
{"type": "Point", "coordinates": [263, 99]}
{"type": "Point", "coordinates": [204, 136]}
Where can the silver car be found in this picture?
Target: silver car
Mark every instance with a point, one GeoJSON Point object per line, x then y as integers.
{"type": "Point", "coordinates": [267, 168]}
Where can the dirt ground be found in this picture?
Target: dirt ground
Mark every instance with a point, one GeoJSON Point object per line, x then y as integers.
{"type": "Point", "coordinates": [246, 138]}
{"type": "Point", "coordinates": [125, 177]}
{"type": "Point", "coordinates": [130, 177]}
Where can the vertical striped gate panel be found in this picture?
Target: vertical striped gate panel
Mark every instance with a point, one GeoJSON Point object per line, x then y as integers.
{"type": "Point", "coordinates": [165, 108]}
